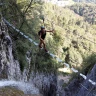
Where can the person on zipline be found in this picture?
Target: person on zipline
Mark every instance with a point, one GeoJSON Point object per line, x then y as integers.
{"type": "Point", "coordinates": [42, 35]}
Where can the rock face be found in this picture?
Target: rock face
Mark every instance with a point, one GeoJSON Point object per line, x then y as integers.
{"type": "Point", "coordinates": [91, 89]}
{"type": "Point", "coordinates": [81, 87]}
{"type": "Point", "coordinates": [9, 68]}
{"type": "Point", "coordinates": [47, 83]}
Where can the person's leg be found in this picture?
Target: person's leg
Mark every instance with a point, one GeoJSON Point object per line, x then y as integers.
{"type": "Point", "coordinates": [44, 45]}
{"type": "Point", "coordinates": [40, 44]}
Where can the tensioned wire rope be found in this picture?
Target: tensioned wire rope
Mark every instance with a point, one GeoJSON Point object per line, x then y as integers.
{"type": "Point", "coordinates": [91, 89]}
{"type": "Point", "coordinates": [52, 24]}
{"type": "Point", "coordinates": [52, 55]}
{"type": "Point", "coordinates": [59, 60]}
{"type": "Point", "coordinates": [78, 34]}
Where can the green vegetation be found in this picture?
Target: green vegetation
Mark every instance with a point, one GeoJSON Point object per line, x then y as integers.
{"type": "Point", "coordinates": [88, 11]}
{"type": "Point", "coordinates": [87, 1]}
{"type": "Point", "coordinates": [9, 91]}
{"type": "Point", "coordinates": [72, 41]}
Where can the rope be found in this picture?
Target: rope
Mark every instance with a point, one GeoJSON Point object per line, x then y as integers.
{"type": "Point", "coordinates": [52, 55]}
{"type": "Point", "coordinates": [82, 45]}
{"type": "Point", "coordinates": [78, 34]}
{"type": "Point", "coordinates": [87, 39]}
{"type": "Point", "coordinates": [89, 91]}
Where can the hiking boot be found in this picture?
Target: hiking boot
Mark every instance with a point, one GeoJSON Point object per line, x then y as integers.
{"type": "Point", "coordinates": [40, 46]}
{"type": "Point", "coordinates": [46, 50]}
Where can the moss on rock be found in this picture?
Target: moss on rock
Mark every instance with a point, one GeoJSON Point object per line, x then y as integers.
{"type": "Point", "coordinates": [9, 91]}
